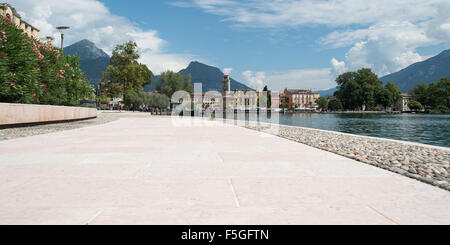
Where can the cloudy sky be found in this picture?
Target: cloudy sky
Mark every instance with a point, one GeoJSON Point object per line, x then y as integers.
{"type": "Point", "coordinates": [282, 43]}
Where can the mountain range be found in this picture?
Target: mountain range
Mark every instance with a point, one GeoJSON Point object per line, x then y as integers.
{"type": "Point", "coordinates": [93, 61]}
{"type": "Point", "coordinates": [428, 71]}
{"type": "Point", "coordinates": [209, 76]}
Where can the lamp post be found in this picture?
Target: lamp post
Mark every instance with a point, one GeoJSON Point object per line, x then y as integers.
{"type": "Point", "coordinates": [61, 30]}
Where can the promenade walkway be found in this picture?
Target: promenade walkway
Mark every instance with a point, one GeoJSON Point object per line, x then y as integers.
{"type": "Point", "coordinates": [148, 171]}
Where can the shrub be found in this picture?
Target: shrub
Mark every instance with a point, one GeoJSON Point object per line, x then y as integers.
{"type": "Point", "coordinates": [415, 105]}
{"type": "Point", "coordinates": [32, 72]}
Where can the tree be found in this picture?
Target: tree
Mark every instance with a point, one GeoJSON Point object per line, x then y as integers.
{"type": "Point", "coordinates": [395, 92]}
{"type": "Point", "coordinates": [384, 97]}
{"type": "Point", "coordinates": [322, 103]}
{"type": "Point", "coordinates": [420, 93]}
{"type": "Point", "coordinates": [335, 105]}
{"type": "Point", "coordinates": [438, 95]}
{"type": "Point", "coordinates": [349, 92]}
{"type": "Point", "coordinates": [132, 100]}
{"type": "Point", "coordinates": [125, 74]}
{"type": "Point", "coordinates": [435, 97]}
{"type": "Point", "coordinates": [136, 100]}
{"type": "Point", "coordinates": [415, 105]}
{"type": "Point", "coordinates": [170, 82]}
{"type": "Point", "coordinates": [284, 105]}
{"type": "Point", "coordinates": [357, 90]}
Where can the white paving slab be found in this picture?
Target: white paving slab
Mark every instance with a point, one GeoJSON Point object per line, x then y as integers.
{"type": "Point", "coordinates": [149, 171]}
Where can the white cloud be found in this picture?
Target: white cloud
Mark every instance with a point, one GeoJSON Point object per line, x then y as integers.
{"type": "Point", "coordinates": [91, 19]}
{"type": "Point", "coordinates": [384, 47]}
{"type": "Point", "coordinates": [383, 35]}
{"type": "Point", "coordinates": [338, 67]}
{"type": "Point", "coordinates": [315, 79]}
{"type": "Point", "coordinates": [254, 80]}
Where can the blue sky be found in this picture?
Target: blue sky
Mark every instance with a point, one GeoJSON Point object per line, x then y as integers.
{"type": "Point", "coordinates": [282, 43]}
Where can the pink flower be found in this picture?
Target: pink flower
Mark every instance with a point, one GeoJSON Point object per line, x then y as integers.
{"type": "Point", "coordinates": [62, 71]}
{"type": "Point", "coordinates": [9, 17]}
{"type": "Point", "coordinates": [13, 85]}
{"type": "Point", "coordinates": [67, 65]}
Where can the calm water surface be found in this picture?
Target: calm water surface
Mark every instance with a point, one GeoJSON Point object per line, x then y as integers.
{"type": "Point", "coordinates": [421, 128]}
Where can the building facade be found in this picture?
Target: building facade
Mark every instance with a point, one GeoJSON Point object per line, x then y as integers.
{"type": "Point", "coordinates": [10, 13]}
{"type": "Point", "coordinates": [403, 103]}
{"type": "Point", "coordinates": [299, 99]}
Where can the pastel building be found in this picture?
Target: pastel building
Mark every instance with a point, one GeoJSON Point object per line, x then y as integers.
{"type": "Point", "coordinates": [8, 12]}
{"type": "Point", "coordinates": [300, 99]}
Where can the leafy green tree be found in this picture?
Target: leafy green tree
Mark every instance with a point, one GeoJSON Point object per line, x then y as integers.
{"type": "Point", "coordinates": [136, 100]}
{"type": "Point", "coordinates": [415, 105]}
{"type": "Point", "coordinates": [420, 93]}
{"type": "Point", "coordinates": [162, 101]}
{"type": "Point", "coordinates": [357, 90]}
{"type": "Point", "coordinates": [349, 92]}
{"type": "Point", "coordinates": [170, 82]}
{"type": "Point", "coordinates": [133, 100]}
{"type": "Point", "coordinates": [125, 74]}
{"type": "Point", "coordinates": [335, 105]}
{"type": "Point", "coordinates": [284, 105]}
{"type": "Point", "coordinates": [384, 97]}
{"type": "Point", "coordinates": [371, 86]}
{"type": "Point", "coordinates": [395, 92]}
{"type": "Point", "coordinates": [435, 97]}
{"type": "Point", "coordinates": [322, 103]}
{"type": "Point", "coordinates": [438, 95]}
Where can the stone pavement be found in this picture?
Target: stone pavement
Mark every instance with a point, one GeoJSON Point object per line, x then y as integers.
{"type": "Point", "coordinates": [148, 171]}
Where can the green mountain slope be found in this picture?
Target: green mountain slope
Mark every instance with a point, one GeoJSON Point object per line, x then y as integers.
{"type": "Point", "coordinates": [93, 61]}
{"type": "Point", "coordinates": [209, 76]}
{"type": "Point", "coordinates": [428, 71]}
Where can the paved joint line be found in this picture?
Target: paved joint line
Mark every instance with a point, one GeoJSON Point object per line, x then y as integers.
{"type": "Point", "coordinates": [95, 216]}
{"type": "Point", "coordinates": [141, 172]}
{"type": "Point", "coordinates": [236, 199]}
{"type": "Point", "coordinates": [386, 217]}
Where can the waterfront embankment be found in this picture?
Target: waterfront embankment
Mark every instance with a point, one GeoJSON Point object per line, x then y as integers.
{"type": "Point", "coordinates": [429, 164]}
{"type": "Point", "coordinates": [161, 170]}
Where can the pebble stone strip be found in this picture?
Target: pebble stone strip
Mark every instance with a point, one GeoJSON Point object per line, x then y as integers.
{"type": "Point", "coordinates": [428, 164]}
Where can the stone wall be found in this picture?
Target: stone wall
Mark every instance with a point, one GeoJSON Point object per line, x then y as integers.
{"type": "Point", "coordinates": [11, 114]}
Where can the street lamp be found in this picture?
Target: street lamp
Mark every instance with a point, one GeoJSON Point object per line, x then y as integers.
{"type": "Point", "coordinates": [61, 30]}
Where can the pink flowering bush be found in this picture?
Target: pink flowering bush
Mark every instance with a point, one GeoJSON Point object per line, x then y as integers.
{"type": "Point", "coordinates": [33, 72]}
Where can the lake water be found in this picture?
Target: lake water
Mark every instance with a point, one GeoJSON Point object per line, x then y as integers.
{"type": "Point", "coordinates": [421, 128]}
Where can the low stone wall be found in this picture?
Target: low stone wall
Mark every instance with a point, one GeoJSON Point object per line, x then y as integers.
{"type": "Point", "coordinates": [429, 164]}
{"type": "Point", "coordinates": [17, 114]}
